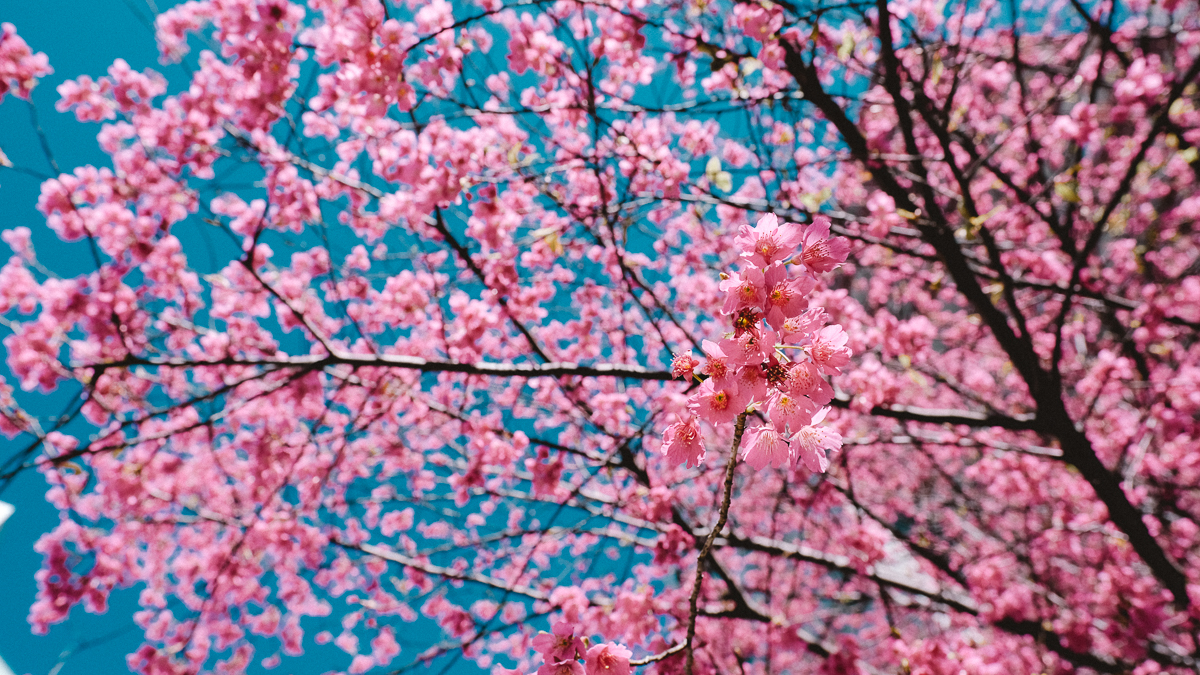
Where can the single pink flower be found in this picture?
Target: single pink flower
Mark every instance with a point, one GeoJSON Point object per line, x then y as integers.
{"type": "Point", "coordinates": [768, 241]}
{"type": "Point", "coordinates": [569, 667]}
{"type": "Point", "coordinates": [789, 411]}
{"type": "Point", "coordinates": [785, 298]}
{"type": "Point", "coordinates": [717, 404]}
{"type": "Point", "coordinates": [764, 446]}
{"type": "Point", "coordinates": [608, 659]}
{"type": "Point", "coordinates": [749, 349]}
{"type": "Point", "coordinates": [681, 443]}
{"type": "Point", "coordinates": [822, 253]}
{"type": "Point", "coordinates": [804, 379]}
{"type": "Point", "coordinates": [716, 364]}
{"type": "Point", "coordinates": [743, 289]}
{"type": "Point", "coordinates": [798, 330]}
{"type": "Point", "coordinates": [683, 364]}
{"type": "Point", "coordinates": [752, 383]}
{"type": "Point", "coordinates": [561, 645]}
{"type": "Point", "coordinates": [829, 349]}
{"type": "Point", "coordinates": [810, 443]}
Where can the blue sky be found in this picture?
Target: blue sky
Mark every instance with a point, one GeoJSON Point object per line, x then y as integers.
{"type": "Point", "coordinates": [79, 36]}
{"type": "Point", "coordinates": [84, 37]}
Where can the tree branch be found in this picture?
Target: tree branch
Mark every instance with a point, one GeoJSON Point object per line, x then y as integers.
{"type": "Point", "coordinates": [738, 429]}
{"type": "Point", "coordinates": [485, 368]}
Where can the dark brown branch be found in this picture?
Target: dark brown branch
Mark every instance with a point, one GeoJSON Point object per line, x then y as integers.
{"type": "Point", "coordinates": [1046, 389]}
{"type": "Point", "coordinates": [969, 418]}
{"type": "Point", "coordinates": [1054, 643]}
{"type": "Point", "coordinates": [727, 496]}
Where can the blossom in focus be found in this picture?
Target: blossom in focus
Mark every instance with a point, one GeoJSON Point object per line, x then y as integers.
{"type": "Point", "coordinates": [809, 443]}
{"type": "Point", "coordinates": [752, 365]}
{"type": "Point", "coordinates": [683, 364]}
{"type": "Point", "coordinates": [763, 446]}
{"type": "Point", "coordinates": [682, 443]}
{"type": "Point", "coordinates": [790, 411]}
{"type": "Point", "coordinates": [746, 289]}
{"type": "Point", "coordinates": [804, 379]}
{"type": "Point", "coordinates": [608, 659]}
{"type": "Point", "coordinates": [829, 349]}
{"type": "Point", "coordinates": [716, 364]}
{"type": "Point", "coordinates": [560, 645]}
{"type": "Point", "coordinates": [719, 403]}
{"type": "Point", "coordinates": [768, 241]}
{"type": "Point", "coordinates": [821, 253]}
{"type": "Point", "coordinates": [569, 667]}
{"type": "Point", "coordinates": [785, 298]}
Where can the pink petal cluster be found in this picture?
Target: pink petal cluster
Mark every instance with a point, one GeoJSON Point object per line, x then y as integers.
{"type": "Point", "coordinates": [561, 651]}
{"type": "Point", "coordinates": [778, 363]}
{"type": "Point", "coordinates": [124, 90]}
{"type": "Point", "coordinates": [416, 375]}
{"type": "Point", "coordinates": [20, 67]}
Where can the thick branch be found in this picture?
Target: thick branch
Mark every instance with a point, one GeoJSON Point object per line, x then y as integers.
{"type": "Point", "coordinates": [969, 418]}
{"type": "Point", "coordinates": [1052, 417]}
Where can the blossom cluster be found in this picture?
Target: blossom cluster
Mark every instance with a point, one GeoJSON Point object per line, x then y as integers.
{"type": "Point", "coordinates": [777, 354]}
{"type": "Point", "coordinates": [561, 651]}
{"type": "Point", "coordinates": [20, 67]}
{"type": "Point", "coordinates": [414, 387]}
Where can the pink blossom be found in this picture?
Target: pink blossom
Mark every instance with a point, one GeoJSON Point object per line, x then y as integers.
{"type": "Point", "coordinates": [718, 404]}
{"type": "Point", "coordinates": [762, 446]}
{"type": "Point", "coordinates": [87, 98]}
{"type": "Point", "coordinates": [546, 472]}
{"type": "Point", "coordinates": [361, 663]}
{"type": "Point", "coordinates": [19, 239]}
{"type": "Point", "coordinates": [608, 659]}
{"type": "Point", "coordinates": [768, 241]}
{"type": "Point", "coordinates": [683, 364]}
{"type": "Point", "coordinates": [759, 22]}
{"type": "Point", "coordinates": [743, 290]}
{"type": "Point", "coordinates": [798, 329]}
{"type": "Point", "coordinates": [809, 443]}
{"type": "Point", "coordinates": [749, 348]}
{"type": "Point", "coordinates": [716, 364]}
{"type": "Point", "coordinates": [560, 645]}
{"type": "Point", "coordinates": [790, 411]}
{"type": "Point", "coordinates": [384, 647]}
{"type": "Point", "coordinates": [20, 68]}
{"type": "Point", "coordinates": [829, 349]}
{"type": "Point", "coordinates": [804, 379]}
{"type": "Point", "coordinates": [682, 443]}
{"type": "Point", "coordinates": [568, 667]}
{"type": "Point", "coordinates": [456, 430]}
{"type": "Point", "coordinates": [821, 253]}
{"type": "Point", "coordinates": [785, 298]}
{"type": "Point", "coordinates": [752, 383]}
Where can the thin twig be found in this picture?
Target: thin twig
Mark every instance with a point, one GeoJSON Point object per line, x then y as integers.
{"type": "Point", "coordinates": [41, 136]}
{"type": "Point", "coordinates": [659, 656]}
{"type": "Point", "coordinates": [708, 541]}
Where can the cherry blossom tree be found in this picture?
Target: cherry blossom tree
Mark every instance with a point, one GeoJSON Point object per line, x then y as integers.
{"type": "Point", "coordinates": [604, 336]}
